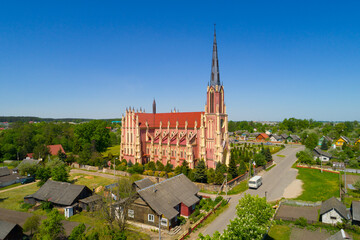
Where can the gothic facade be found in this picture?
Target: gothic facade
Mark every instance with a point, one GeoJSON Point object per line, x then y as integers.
{"type": "Point", "coordinates": [180, 136]}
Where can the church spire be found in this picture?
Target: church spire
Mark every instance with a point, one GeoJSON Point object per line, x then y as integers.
{"type": "Point", "coordinates": [154, 106]}
{"type": "Point", "coordinates": [215, 76]}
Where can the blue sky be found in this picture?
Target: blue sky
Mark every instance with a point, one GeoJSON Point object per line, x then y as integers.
{"type": "Point", "coordinates": [278, 59]}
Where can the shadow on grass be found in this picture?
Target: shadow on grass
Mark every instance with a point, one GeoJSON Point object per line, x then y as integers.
{"type": "Point", "coordinates": [267, 237]}
{"type": "Point", "coordinates": [3, 199]}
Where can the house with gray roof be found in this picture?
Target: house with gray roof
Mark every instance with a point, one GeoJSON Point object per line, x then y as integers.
{"type": "Point", "coordinates": [164, 202]}
{"type": "Point", "coordinates": [355, 212]}
{"type": "Point", "coordinates": [143, 183]}
{"type": "Point", "coordinates": [275, 138]}
{"type": "Point", "coordinates": [10, 231]}
{"type": "Point", "coordinates": [322, 155]}
{"type": "Point", "coordinates": [333, 211]}
{"type": "Point", "coordinates": [7, 177]}
{"type": "Point", "coordinates": [61, 194]}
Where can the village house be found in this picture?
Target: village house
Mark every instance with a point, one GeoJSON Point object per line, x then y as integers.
{"type": "Point", "coordinates": [333, 211]}
{"type": "Point", "coordinates": [340, 142]}
{"type": "Point", "coordinates": [10, 231]}
{"type": "Point", "coordinates": [294, 138]}
{"type": "Point", "coordinates": [262, 137]}
{"type": "Point", "coordinates": [8, 177]}
{"type": "Point", "coordinates": [60, 194]}
{"type": "Point", "coordinates": [275, 138]}
{"type": "Point", "coordinates": [355, 212]}
{"type": "Point", "coordinates": [357, 141]}
{"type": "Point", "coordinates": [324, 138]}
{"type": "Point", "coordinates": [323, 156]}
{"type": "Point", "coordinates": [164, 201]}
{"type": "Point", "coordinates": [284, 136]}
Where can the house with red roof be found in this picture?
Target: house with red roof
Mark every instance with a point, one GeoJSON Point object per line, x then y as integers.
{"type": "Point", "coordinates": [176, 137]}
{"type": "Point", "coordinates": [54, 149]}
{"type": "Point", "coordinates": [262, 137]}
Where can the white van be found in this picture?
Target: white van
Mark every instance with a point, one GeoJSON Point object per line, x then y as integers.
{"type": "Point", "coordinates": [255, 182]}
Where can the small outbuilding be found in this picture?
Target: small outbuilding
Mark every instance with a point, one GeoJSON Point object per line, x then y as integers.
{"type": "Point", "coordinates": [333, 211]}
{"type": "Point", "coordinates": [355, 212]}
{"type": "Point", "coordinates": [10, 231]}
{"type": "Point", "coordinates": [61, 194]}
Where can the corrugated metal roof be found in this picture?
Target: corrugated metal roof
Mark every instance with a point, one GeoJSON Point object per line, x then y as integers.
{"type": "Point", "coordinates": [61, 193]}
{"type": "Point", "coordinates": [143, 183]}
{"type": "Point", "coordinates": [163, 197]}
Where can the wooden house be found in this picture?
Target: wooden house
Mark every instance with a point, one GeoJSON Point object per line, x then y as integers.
{"type": "Point", "coordinates": [262, 137]}
{"type": "Point", "coordinates": [340, 142]}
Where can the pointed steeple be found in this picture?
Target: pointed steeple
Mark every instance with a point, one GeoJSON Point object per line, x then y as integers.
{"type": "Point", "coordinates": [215, 76]}
{"type": "Point", "coordinates": [154, 106]}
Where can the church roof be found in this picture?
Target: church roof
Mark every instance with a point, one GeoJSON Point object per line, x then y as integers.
{"type": "Point", "coordinates": [154, 119]}
{"type": "Point", "coordinates": [215, 76]}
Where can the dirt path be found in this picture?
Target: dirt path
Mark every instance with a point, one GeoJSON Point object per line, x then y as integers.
{"type": "Point", "coordinates": [294, 189]}
{"type": "Point", "coordinates": [24, 185]}
{"type": "Point", "coordinates": [94, 174]}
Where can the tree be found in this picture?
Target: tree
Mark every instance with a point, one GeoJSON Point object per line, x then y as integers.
{"type": "Point", "coordinates": [268, 155]}
{"type": "Point", "coordinates": [200, 172]}
{"type": "Point", "coordinates": [116, 213]}
{"type": "Point", "coordinates": [78, 233]}
{"type": "Point", "coordinates": [43, 173]}
{"type": "Point", "coordinates": [219, 178]}
{"type": "Point", "coordinates": [305, 156]}
{"type": "Point", "coordinates": [168, 167]}
{"type": "Point", "coordinates": [260, 159]}
{"type": "Point", "coordinates": [52, 227]}
{"type": "Point", "coordinates": [242, 167]}
{"type": "Point", "coordinates": [32, 224]}
{"type": "Point", "coordinates": [324, 145]}
{"type": "Point", "coordinates": [185, 168]}
{"type": "Point", "coordinates": [211, 175]}
{"type": "Point", "coordinates": [28, 169]}
{"type": "Point", "coordinates": [61, 155]}
{"type": "Point", "coordinates": [357, 185]}
{"type": "Point", "coordinates": [60, 173]}
{"type": "Point", "coordinates": [232, 168]}
{"type": "Point", "coordinates": [253, 218]}
{"type": "Point", "coordinates": [311, 141]}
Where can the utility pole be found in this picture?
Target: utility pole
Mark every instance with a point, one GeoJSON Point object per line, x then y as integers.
{"type": "Point", "coordinates": [115, 165]}
{"type": "Point", "coordinates": [345, 177]}
{"type": "Point", "coordinates": [159, 227]}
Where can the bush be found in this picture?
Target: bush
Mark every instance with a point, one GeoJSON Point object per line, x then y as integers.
{"type": "Point", "coordinates": [162, 174]}
{"type": "Point", "coordinates": [26, 206]}
{"type": "Point", "coordinates": [47, 206]}
{"type": "Point", "coordinates": [181, 220]}
{"type": "Point", "coordinates": [170, 174]}
{"type": "Point", "coordinates": [302, 222]}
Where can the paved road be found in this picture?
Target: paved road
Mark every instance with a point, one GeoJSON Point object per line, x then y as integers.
{"type": "Point", "coordinates": [275, 182]}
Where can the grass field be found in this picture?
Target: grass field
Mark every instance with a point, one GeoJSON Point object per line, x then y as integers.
{"type": "Point", "coordinates": [279, 232]}
{"type": "Point", "coordinates": [13, 199]}
{"type": "Point", "coordinates": [318, 186]}
{"type": "Point", "coordinates": [242, 187]}
{"type": "Point", "coordinates": [10, 186]}
{"type": "Point", "coordinates": [115, 151]}
{"type": "Point", "coordinates": [90, 181]}
{"type": "Point", "coordinates": [279, 155]}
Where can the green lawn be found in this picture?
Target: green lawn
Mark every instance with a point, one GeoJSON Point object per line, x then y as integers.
{"type": "Point", "coordinates": [318, 186]}
{"type": "Point", "coordinates": [279, 232]}
{"type": "Point", "coordinates": [279, 155]}
{"type": "Point", "coordinates": [268, 169]}
{"type": "Point", "coordinates": [114, 150]}
{"type": "Point", "coordinates": [90, 181]}
{"type": "Point", "coordinates": [10, 186]}
{"type": "Point", "coordinates": [242, 187]}
{"type": "Point", "coordinates": [13, 199]}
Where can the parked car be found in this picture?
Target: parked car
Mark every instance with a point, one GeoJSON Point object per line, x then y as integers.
{"type": "Point", "coordinates": [27, 180]}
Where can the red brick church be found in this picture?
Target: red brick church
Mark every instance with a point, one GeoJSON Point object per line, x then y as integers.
{"type": "Point", "coordinates": [180, 136]}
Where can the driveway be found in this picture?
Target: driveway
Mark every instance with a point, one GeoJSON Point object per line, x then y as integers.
{"type": "Point", "coordinates": [275, 182]}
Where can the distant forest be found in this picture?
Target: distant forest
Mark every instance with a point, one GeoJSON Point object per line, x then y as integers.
{"type": "Point", "coordinates": [38, 119]}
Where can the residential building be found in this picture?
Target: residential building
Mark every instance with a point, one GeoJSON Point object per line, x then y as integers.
{"type": "Point", "coordinates": [61, 194]}
{"type": "Point", "coordinates": [322, 155]}
{"type": "Point", "coordinates": [324, 138]}
{"type": "Point", "coordinates": [275, 138]}
{"type": "Point", "coordinates": [340, 142]}
{"type": "Point", "coordinates": [10, 231]}
{"type": "Point", "coordinates": [180, 136]}
{"type": "Point", "coordinates": [333, 211]}
{"type": "Point", "coordinates": [355, 212]}
{"type": "Point", "coordinates": [8, 177]}
{"type": "Point", "coordinates": [164, 201]}
{"type": "Point", "coordinates": [284, 136]}
{"type": "Point", "coordinates": [262, 137]}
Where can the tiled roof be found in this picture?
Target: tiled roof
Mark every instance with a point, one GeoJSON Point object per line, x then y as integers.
{"type": "Point", "coordinates": [54, 149]}
{"type": "Point", "coordinates": [154, 119]}
{"type": "Point", "coordinates": [264, 135]}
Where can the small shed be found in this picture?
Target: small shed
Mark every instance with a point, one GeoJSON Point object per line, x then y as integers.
{"type": "Point", "coordinates": [90, 203]}
{"type": "Point", "coordinates": [333, 211]}
{"type": "Point", "coordinates": [10, 231]}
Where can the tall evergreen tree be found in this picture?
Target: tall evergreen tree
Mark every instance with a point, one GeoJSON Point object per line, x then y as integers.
{"type": "Point", "coordinates": [268, 155]}
{"type": "Point", "coordinates": [324, 145]}
{"type": "Point", "coordinates": [242, 167]}
{"type": "Point", "coordinates": [232, 168]}
{"type": "Point", "coordinates": [200, 172]}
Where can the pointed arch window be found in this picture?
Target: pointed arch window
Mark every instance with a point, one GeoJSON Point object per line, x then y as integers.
{"type": "Point", "coordinates": [211, 101]}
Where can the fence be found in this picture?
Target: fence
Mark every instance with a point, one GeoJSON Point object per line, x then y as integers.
{"type": "Point", "coordinates": [196, 224]}
{"type": "Point", "coordinates": [310, 167]}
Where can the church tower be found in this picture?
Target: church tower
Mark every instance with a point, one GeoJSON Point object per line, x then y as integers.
{"type": "Point", "coordinates": [215, 117]}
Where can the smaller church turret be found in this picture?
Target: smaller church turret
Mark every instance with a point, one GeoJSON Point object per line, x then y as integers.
{"type": "Point", "coordinates": [154, 106]}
